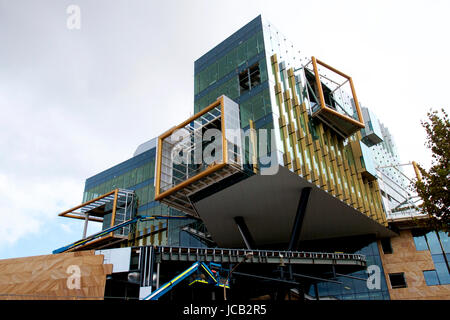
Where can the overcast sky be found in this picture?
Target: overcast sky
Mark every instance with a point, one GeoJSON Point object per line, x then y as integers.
{"type": "Point", "coordinates": [76, 102]}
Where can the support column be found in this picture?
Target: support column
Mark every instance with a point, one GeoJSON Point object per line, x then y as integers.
{"type": "Point", "coordinates": [245, 232]}
{"type": "Point", "coordinates": [316, 291]}
{"type": "Point", "coordinates": [301, 210]}
{"type": "Point", "coordinates": [86, 220]}
{"type": "Point", "coordinates": [157, 275]}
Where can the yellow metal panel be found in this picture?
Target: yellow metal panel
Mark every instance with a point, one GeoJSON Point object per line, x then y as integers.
{"type": "Point", "coordinates": [277, 88]}
{"type": "Point", "coordinates": [297, 166]}
{"type": "Point", "coordinates": [417, 171]}
{"type": "Point", "coordinates": [113, 216]}
{"type": "Point", "coordinates": [224, 140]}
{"type": "Point", "coordinates": [291, 128]}
{"type": "Point", "coordinates": [274, 59]}
{"type": "Point", "coordinates": [295, 100]}
{"type": "Point", "coordinates": [303, 107]}
{"type": "Point", "coordinates": [290, 72]}
{"type": "Point", "coordinates": [253, 140]}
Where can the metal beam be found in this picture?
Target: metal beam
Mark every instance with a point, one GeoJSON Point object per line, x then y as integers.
{"type": "Point", "coordinates": [266, 278]}
{"type": "Point", "coordinates": [315, 278]}
{"type": "Point", "coordinates": [301, 210]}
{"type": "Point", "coordinates": [245, 232]}
{"type": "Point", "coordinates": [350, 277]}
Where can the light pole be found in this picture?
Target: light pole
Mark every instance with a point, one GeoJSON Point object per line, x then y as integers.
{"type": "Point", "coordinates": [248, 255]}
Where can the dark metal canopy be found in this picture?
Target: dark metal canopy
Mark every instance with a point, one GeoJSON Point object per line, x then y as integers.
{"type": "Point", "coordinates": [268, 205]}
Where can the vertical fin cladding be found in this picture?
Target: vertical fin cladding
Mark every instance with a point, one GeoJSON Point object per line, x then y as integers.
{"type": "Point", "coordinates": [114, 209]}
{"type": "Point", "coordinates": [334, 167]}
{"type": "Point", "coordinates": [158, 167]}
{"type": "Point", "coordinates": [224, 140]}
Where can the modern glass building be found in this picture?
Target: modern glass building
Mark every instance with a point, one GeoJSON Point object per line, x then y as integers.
{"type": "Point", "coordinates": [137, 174]}
{"type": "Point", "coordinates": [329, 149]}
{"type": "Point", "coordinates": [315, 121]}
{"type": "Point", "coordinates": [438, 244]}
{"type": "Point", "coordinates": [354, 286]}
{"type": "Point", "coordinates": [275, 86]}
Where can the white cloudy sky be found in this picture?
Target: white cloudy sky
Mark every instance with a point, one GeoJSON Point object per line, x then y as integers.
{"type": "Point", "coordinates": [75, 102]}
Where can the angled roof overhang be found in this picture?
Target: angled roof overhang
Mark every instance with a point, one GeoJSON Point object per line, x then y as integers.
{"type": "Point", "coordinates": [268, 204]}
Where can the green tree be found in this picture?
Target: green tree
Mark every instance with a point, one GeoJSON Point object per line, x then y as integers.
{"type": "Point", "coordinates": [434, 186]}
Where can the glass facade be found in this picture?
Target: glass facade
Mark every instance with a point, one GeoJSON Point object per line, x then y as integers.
{"type": "Point", "coordinates": [227, 69]}
{"type": "Point", "coordinates": [219, 71]}
{"type": "Point", "coordinates": [431, 278]}
{"type": "Point", "coordinates": [237, 68]}
{"type": "Point", "coordinates": [351, 288]}
{"type": "Point", "coordinates": [438, 245]}
{"type": "Point", "coordinates": [137, 174]}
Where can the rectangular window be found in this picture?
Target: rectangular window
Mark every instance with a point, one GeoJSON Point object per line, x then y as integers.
{"type": "Point", "coordinates": [433, 242]}
{"type": "Point", "coordinates": [249, 78]}
{"type": "Point", "coordinates": [386, 245]}
{"type": "Point", "coordinates": [419, 240]}
{"type": "Point", "coordinates": [244, 84]}
{"type": "Point", "coordinates": [397, 280]}
{"type": "Point", "coordinates": [255, 75]}
{"type": "Point", "coordinates": [441, 268]}
{"type": "Point", "coordinates": [445, 240]}
{"type": "Point", "coordinates": [431, 277]}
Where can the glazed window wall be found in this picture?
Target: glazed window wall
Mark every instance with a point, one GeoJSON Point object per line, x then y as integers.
{"type": "Point", "coordinates": [229, 62]}
{"type": "Point", "coordinates": [222, 75]}
{"type": "Point", "coordinates": [126, 180]}
{"type": "Point", "coordinates": [255, 108]}
{"type": "Point", "coordinates": [353, 289]}
{"type": "Point", "coordinates": [265, 123]}
{"type": "Point", "coordinates": [139, 178]}
{"type": "Point", "coordinates": [431, 278]}
{"type": "Point", "coordinates": [438, 245]}
{"type": "Point", "coordinates": [229, 87]}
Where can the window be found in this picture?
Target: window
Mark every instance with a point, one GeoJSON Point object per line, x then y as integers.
{"type": "Point", "coordinates": [255, 75]}
{"type": "Point", "coordinates": [441, 268]}
{"type": "Point", "coordinates": [249, 78]}
{"type": "Point", "coordinates": [397, 280]}
{"type": "Point", "coordinates": [433, 242]}
{"type": "Point", "coordinates": [431, 277]}
{"type": "Point", "coordinates": [445, 240]}
{"type": "Point", "coordinates": [244, 84]}
{"type": "Point", "coordinates": [419, 240]}
{"type": "Point", "coordinates": [386, 245]}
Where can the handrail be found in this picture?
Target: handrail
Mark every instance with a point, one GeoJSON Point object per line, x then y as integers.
{"type": "Point", "coordinates": [263, 253]}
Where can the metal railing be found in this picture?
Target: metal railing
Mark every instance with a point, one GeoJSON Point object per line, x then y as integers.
{"type": "Point", "coordinates": [257, 256]}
